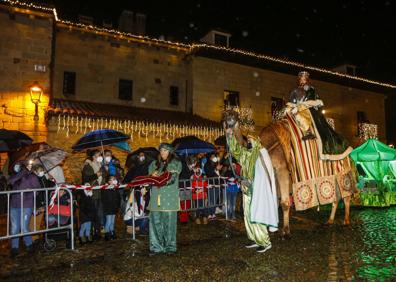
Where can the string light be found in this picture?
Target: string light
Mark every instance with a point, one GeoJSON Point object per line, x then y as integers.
{"type": "Point", "coordinates": [143, 129]}
{"type": "Point", "coordinates": [190, 48]}
{"type": "Point", "coordinates": [196, 47]}
{"type": "Point", "coordinates": [368, 130]}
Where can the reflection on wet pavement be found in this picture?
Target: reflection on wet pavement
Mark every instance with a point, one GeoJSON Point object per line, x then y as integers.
{"type": "Point", "coordinates": [215, 252]}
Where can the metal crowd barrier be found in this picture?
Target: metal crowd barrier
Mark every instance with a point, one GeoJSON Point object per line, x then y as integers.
{"type": "Point", "coordinates": [214, 193]}
{"type": "Point", "coordinates": [46, 205]}
{"type": "Point", "coordinates": [214, 188]}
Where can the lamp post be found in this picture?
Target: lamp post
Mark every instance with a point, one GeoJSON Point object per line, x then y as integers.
{"type": "Point", "coordinates": [35, 95]}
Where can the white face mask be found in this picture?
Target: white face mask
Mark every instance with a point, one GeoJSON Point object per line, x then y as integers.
{"type": "Point", "coordinates": [114, 182]}
{"type": "Point", "coordinates": [215, 160]}
{"type": "Point", "coordinates": [142, 158]}
{"type": "Point", "coordinates": [40, 174]}
{"type": "Point", "coordinates": [99, 159]}
{"type": "Point", "coordinates": [17, 168]}
{"type": "Point", "coordinates": [107, 159]}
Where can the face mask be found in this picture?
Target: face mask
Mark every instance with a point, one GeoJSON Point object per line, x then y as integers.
{"type": "Point", "coordinates": [114, 182]}
{"type": "Point", "coordinates": [99, 159]}
{"type": "Point", "coordinates": [40, 174]}
{"type": "Point", "coordinates": [215, 160]}
{"type": "Point", "coordinates": [107, 159]}
{"type": "Point", "coordinates": [142, 158]}
{"type": "Point", "coordinates": [17, 168]}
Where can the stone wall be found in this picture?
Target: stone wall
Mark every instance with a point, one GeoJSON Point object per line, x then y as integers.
{"type": "Point", "coordinates": [257, 86]}
{"type": "Point", "coordinates": [26, 41]}
{"type": "Point", "coordinates": [100, 61]}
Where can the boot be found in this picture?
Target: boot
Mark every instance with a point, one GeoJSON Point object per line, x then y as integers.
{"type": "Point", "coordinates": [90, 239]}
{"type": "Point", "coordinates": [197, 220]}
{"type": "Point", "coordinates": [205, 220]}
{"type": "Point", "coordinates": [107, 236]}
{"type": "Point", "coordinates": [113, 235]}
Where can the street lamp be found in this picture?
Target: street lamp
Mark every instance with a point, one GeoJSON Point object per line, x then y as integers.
{"type": "Point", "coordinates": [35, 95]}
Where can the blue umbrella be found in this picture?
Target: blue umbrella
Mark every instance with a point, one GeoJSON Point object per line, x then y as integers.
{"type": "Point", "coordinates": [191, 145]}
{"type": "Point", "coordinates": [123, 146]}
{"type": "Point", "coordinates": [99, 138]}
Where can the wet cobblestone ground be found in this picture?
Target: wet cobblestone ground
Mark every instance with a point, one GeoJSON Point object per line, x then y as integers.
{"type": "Point", "coordinates": [215, 252]}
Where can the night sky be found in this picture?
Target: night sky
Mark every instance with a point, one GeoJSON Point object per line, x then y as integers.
{"type": "Point", "coordinates": [320, 33]}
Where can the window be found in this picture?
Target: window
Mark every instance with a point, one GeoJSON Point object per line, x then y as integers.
{"type": "Point", "coordinates": [174, 96]}
{"type": "Point", "coordinates": [231, 98]}
{"type": "Point", "coordinates": [69, 83]}
{"type": "Point", "coordinates": [220, 39]}
{"type": "Point", "coordinates": [125, 89]}
{"type": "Point", "coordinates": [277, 104]}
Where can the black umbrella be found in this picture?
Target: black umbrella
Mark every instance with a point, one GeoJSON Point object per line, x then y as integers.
{"type": "Point", "coordinates": [221, 141]}
{"type": "Point", "coordinates": [98, 138]}
{"type": "Point", "coordinates": [149, 152]}
{"type": "Point", "coordinates": [24, 152]}
{"type": "Point", "coordinates": [12, 140]}
{"type": "Point", "coordinates": [191, 145]}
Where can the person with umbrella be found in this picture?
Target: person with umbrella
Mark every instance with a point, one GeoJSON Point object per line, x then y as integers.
{"type": "Point", "coordinates": [164, 203]}
{"type": "Point", "coordinates": [94, 174]}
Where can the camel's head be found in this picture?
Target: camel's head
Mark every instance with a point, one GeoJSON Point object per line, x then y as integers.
{"type": "Point", "coordinates": [230, 118]}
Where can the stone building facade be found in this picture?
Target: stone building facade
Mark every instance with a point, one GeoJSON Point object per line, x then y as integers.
{"type": "Point", "coordinates": [82, 69]}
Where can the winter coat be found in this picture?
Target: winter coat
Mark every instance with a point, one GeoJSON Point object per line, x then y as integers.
{"type": "Point", "coordinates": [110, 201]}
{"type": "Point", "coordinates": [113, 168]}
{"type": "Point", "coordinates": [210, 169]}
{"type": "Point", "coordinates": [136, 170]}
{"type": "Point", "coordinates": [40, 196]}
{"type": "Point", "coordinates": [21, 181]}
{"type": "Point", "coordinates": [89, 176]}
{"type": "Point", "coordinates": [87, 210]}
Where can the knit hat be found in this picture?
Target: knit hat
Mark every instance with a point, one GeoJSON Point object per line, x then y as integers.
{"type": "Point", "coordinates": [167, 146]}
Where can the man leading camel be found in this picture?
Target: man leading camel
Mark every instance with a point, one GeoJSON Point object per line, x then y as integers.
{"type": "Point", "coordinates": [258, 186]}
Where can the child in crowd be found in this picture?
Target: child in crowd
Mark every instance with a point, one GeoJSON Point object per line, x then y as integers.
{"type": "Point", "coordinates": [111, 203]}
{"type": "Point", "coordinates": [87, 215]}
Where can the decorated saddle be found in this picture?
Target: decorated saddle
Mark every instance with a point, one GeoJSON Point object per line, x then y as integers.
{"type": "Point", "coordinates": [318, 177]}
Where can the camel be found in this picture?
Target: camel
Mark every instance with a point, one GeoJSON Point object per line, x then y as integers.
{"type": "Point", "coordinates": [272, 143]}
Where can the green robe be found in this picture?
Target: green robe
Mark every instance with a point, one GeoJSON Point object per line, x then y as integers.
{"type": "Point", "coordinates": [163, 206]}
{"type": "Point", "coordinates": [247, 158]}
{"type": "Point", "coordinates": [166, 198]}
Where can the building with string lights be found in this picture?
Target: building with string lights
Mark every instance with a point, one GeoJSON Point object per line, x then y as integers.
{"type": "Point", "coordinates": [59, 79]}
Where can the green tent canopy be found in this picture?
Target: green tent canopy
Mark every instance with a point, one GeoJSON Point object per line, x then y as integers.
{"type": "Point", "coordinates": [375, 157]}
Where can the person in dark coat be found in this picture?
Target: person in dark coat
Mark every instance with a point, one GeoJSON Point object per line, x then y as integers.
{"type": "Point", "coordinates": [139, 167]}
{"type": "Point", "coordinates": [22, 208]}
{"type": "Point", "coordinates": [87, 215]}
{"type": "Point", "coordinates": [188, 165]}
{"type": "Point", "coordinates": [111, 204]}
{"type": "Point", "coordinates": [212, 170]}
{"type": "Point", "coordinates": [40, 201]}
{"type": "Point", "coordinates": [93, 173]}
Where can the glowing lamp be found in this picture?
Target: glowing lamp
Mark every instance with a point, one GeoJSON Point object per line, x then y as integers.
{"type": "Point", "coordinates": [35, 95]}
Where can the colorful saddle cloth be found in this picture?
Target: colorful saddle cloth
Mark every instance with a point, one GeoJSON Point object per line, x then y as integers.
{"type": "Point", "coordinates": [315, 180]}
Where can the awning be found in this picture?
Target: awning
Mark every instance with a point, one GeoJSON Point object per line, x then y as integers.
{"type": "Point", "coordinates": [95, 110]}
